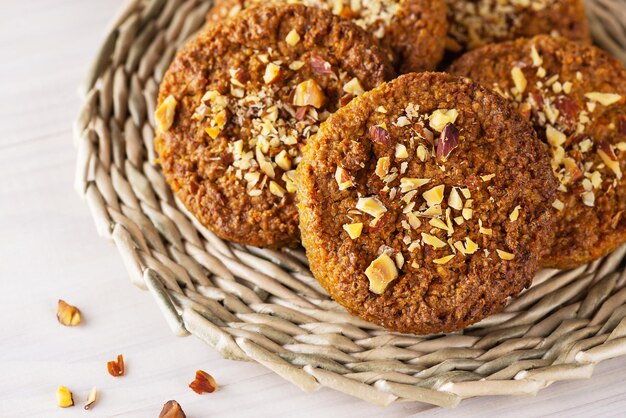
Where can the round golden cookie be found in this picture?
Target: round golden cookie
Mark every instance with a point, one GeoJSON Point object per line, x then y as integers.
{"type": "Point", "coordinates": [476, 23]}
{"type": "Point", "coordinates": [414, 31]}
{"type": "Point", "coordinates": [575, 96]}
{"type": "Point", "coordinates": [242, 98]}
{"type": "Point", "coordinates": [423, 203]}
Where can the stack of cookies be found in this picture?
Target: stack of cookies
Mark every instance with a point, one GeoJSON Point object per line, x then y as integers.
{"type": "Point", "coordinates": [425, 201]}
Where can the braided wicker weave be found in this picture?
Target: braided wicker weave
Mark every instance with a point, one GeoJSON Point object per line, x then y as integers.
{"type": "Point", "coordinates": [263, 305]}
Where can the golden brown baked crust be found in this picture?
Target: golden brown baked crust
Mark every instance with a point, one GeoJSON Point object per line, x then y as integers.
{"type": "Point", "coordinates": [413, 30]}
{"type": "Point", "coordinates": [562, 81]}
{"type": "Point", "coordinates": [246, 95]}
{"type": "Point", "coordinates": [476, 23]}
{"type": "Point", "coordinates": [374, 163]}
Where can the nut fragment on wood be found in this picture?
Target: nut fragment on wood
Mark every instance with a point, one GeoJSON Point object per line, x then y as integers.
{"type": "Point", "coordinates": [64, 397]}
{"type": "Point", "coordinates": [204, 383]}
{"type": "Point", "coordinates": [91, 398]}
{"type": "Point", "coordinates": [172, 409]}
{"type": "Point", "coordinates": [116, 368]}
{"type": "Point", "coordinates": [67, 314]}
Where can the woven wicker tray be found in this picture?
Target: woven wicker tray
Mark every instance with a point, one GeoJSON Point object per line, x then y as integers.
{"type": "Point", "coordinates": [263, 305]}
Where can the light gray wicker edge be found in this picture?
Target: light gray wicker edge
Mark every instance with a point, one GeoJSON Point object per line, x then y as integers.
{"type": "Point", "coordinates": [263, 305]}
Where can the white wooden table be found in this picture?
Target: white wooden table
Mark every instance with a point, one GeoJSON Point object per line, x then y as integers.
{"type": "Point", "coordinates": [49, 250]}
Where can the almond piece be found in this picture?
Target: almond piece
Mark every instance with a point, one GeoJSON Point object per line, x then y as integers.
{"type": "Point", "coordinates": [289, 178]}
{"type": "Point", "coordinates": [276, 189]}
{"type": "Point", "coordinates": [441, 117]}
{"type": "Point", "coordinates": [309, 93]}
{"type": "Point", "coordinates": [380, 273]}
{"type": "Point", "coordinates": [172, 409]}
{"type": "Point", "coordinates": [454, 199]}
{"type": "Point", "coordinates": [519, 79]}
{"type": "Point", "coordinates": [292, 38]}
{"type": "Point", "coordinates": [608, 157]}
{"type": "Point", "coordinates": [379, 135]}
{"type": "Point", "coordinates": [91, 398]}
{"type": "Point", "coordinates": [434, 196]}
{"type": "Point", "coordinates": [272, 73]}
{"type": "Point", "coordinates": [401, 152]}
{"type": "Point", "coordinates": [116, 368]}
{"type": "Point", "coordinates": [354, 230]}
{"type": "Point", "coordinates": [283, 160]}
{"type": "Point", "coordinates": [505, 255]}
{"type": "Point", "coordinates": [371, 205]}
{"type": "Point", "coordinates": [64, 397]}
{"type": "Point", "coordinates": [443, 260]}
{"type": "Point", "coordinates": [164, 114]}
{"type": "Point", "coordinates": [343, 178]}
{"type": "Point", "coordinates": [408, 183]}
{"type": "Point", "coordinates": [353, 87]}
{"type": "Point", "coordinates": [487, 177]}
{"type": "Point", "coordinates": [382, 167]}
{"type": "Point", "coordinates": [213, 131]}
{"type": "Point", "coordinates": [432, 240]}
{"type": "Point", "coordinates": [555, 137]}
{"type": "Point", "coordinates": [204, 383]}
{"type": "Point", "coordinates": [606, 99]}
{"type": "Point", "coordinates": [470, 246]}
{"type": "Point", "coordinates": [421, 153]}
{"type": "Point", "coordinates": [589, 199]}
{"type": "Point", "coordinates": [67, 314]}
{"type": "Point", "coordinates": [515, 213]}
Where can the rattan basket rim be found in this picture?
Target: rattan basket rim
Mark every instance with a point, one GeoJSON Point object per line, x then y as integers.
{"type": "Point", "coordinates": [263, 305]}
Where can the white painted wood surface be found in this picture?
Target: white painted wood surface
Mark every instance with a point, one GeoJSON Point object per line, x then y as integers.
{"type": "Point", "coordinates": [49, 250]}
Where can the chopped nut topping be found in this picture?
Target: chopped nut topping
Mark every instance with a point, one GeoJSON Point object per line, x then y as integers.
{"type": "Point", "coordinates": [292, 38]}
{"type": "Point", "coordinates": [379, 135]}
{"type": "Point", "coordinates": [519, 79]}
{"type": "Point", "coordinates": [343, 178]}
{"type": "Point", "coordinates": [441, 117]}
{"type": "Point", "coordinates": [380, 273]}
{"type": "Point", "coordinates": [407, 184]}
{"type": "Point", "coordinates": [272, 73]}
{"type": "Point", "coordinates": [276, 190]}
{"type": "Point", "coordinates": [399, 260]}
{"type": "Point", "coordinates": [505, 255]}
{"type": "Point", "coordinates": [482, 230]}
{"type": "Point", "coordinates": [470, 246]}
{"type": "Point", "coordinates": [610, 160]}
{"type": "Point", "coordinates": [91, 398]}
{"type": "Point", "coordinates": [353, 87]}
{"type": "Point", "coordinates": [555, 137]}
{"type": "Point", "coordinates": [606, 99]}
{"type": "Point", "coordinates": [467, 213]}
{"type": "Point", "coordinates": [589, 198]}
{"type": "Point", "coordinates": [289, 178]}
{"type": "Point", "coordinates": [283, 160]}
{"type": "Point", "coordinates": [371, 205]}
{"type": "Point", "coordinates": [296, 65]}
{"type": "Point", "coordinates": [537, 60]}
{"type": "Point", "coordinates": [443, 260]}
{"type": "Point", "coordinates": [309, 93]}
{"type": "Point", "coordinates": [204, 383]}
{"type": "Point", "coordinates": [432, 240]}
{"type": "Point", "coordinates": [382, 166]}
{"type": "Point", "coordinates": [354, 230]}
{"type": "Point", "coordinates": [448, 141]}
{"type": "Point", "coordinates": [116, 368]}
{"type": "Point", "coordinates": [164, 114]}
{"type": "Point", "coordinates": [434, 196]}
{"type": "Point", "coordinates": [487, 177]}
{"type": "Point", "coordinates": [64, 397]}
{"type": "Point", "coordinates": [172, 409]}
{"type": "Point", "coordinates": [422, 153]}
{"type": "Point", "coordinates": [401, 151]}
{"type": "Point", "coordinates": [454, 200]}
{"type": "Point", "coordinates": [213, 131]}
{"type": "Point", "coordinates": [515, 214]}
{"type": "Point", "coordinates": [67, 314]}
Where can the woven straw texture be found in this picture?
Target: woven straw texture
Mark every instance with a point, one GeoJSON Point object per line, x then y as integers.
{"type": "Point", "coordinates": [263, 305]}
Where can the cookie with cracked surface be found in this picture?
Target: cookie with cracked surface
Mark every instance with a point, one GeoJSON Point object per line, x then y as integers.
{"type": "Point", "coordinates": [242, 98]}
{"type": "Point", "coordinates": [575, 96]}
{"type": "Point", "coordinates": [423, 203]}
{"type": "Point", "coordinates": [414, 31]}
{"type": "Point", "coordinates": [477, 23]}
